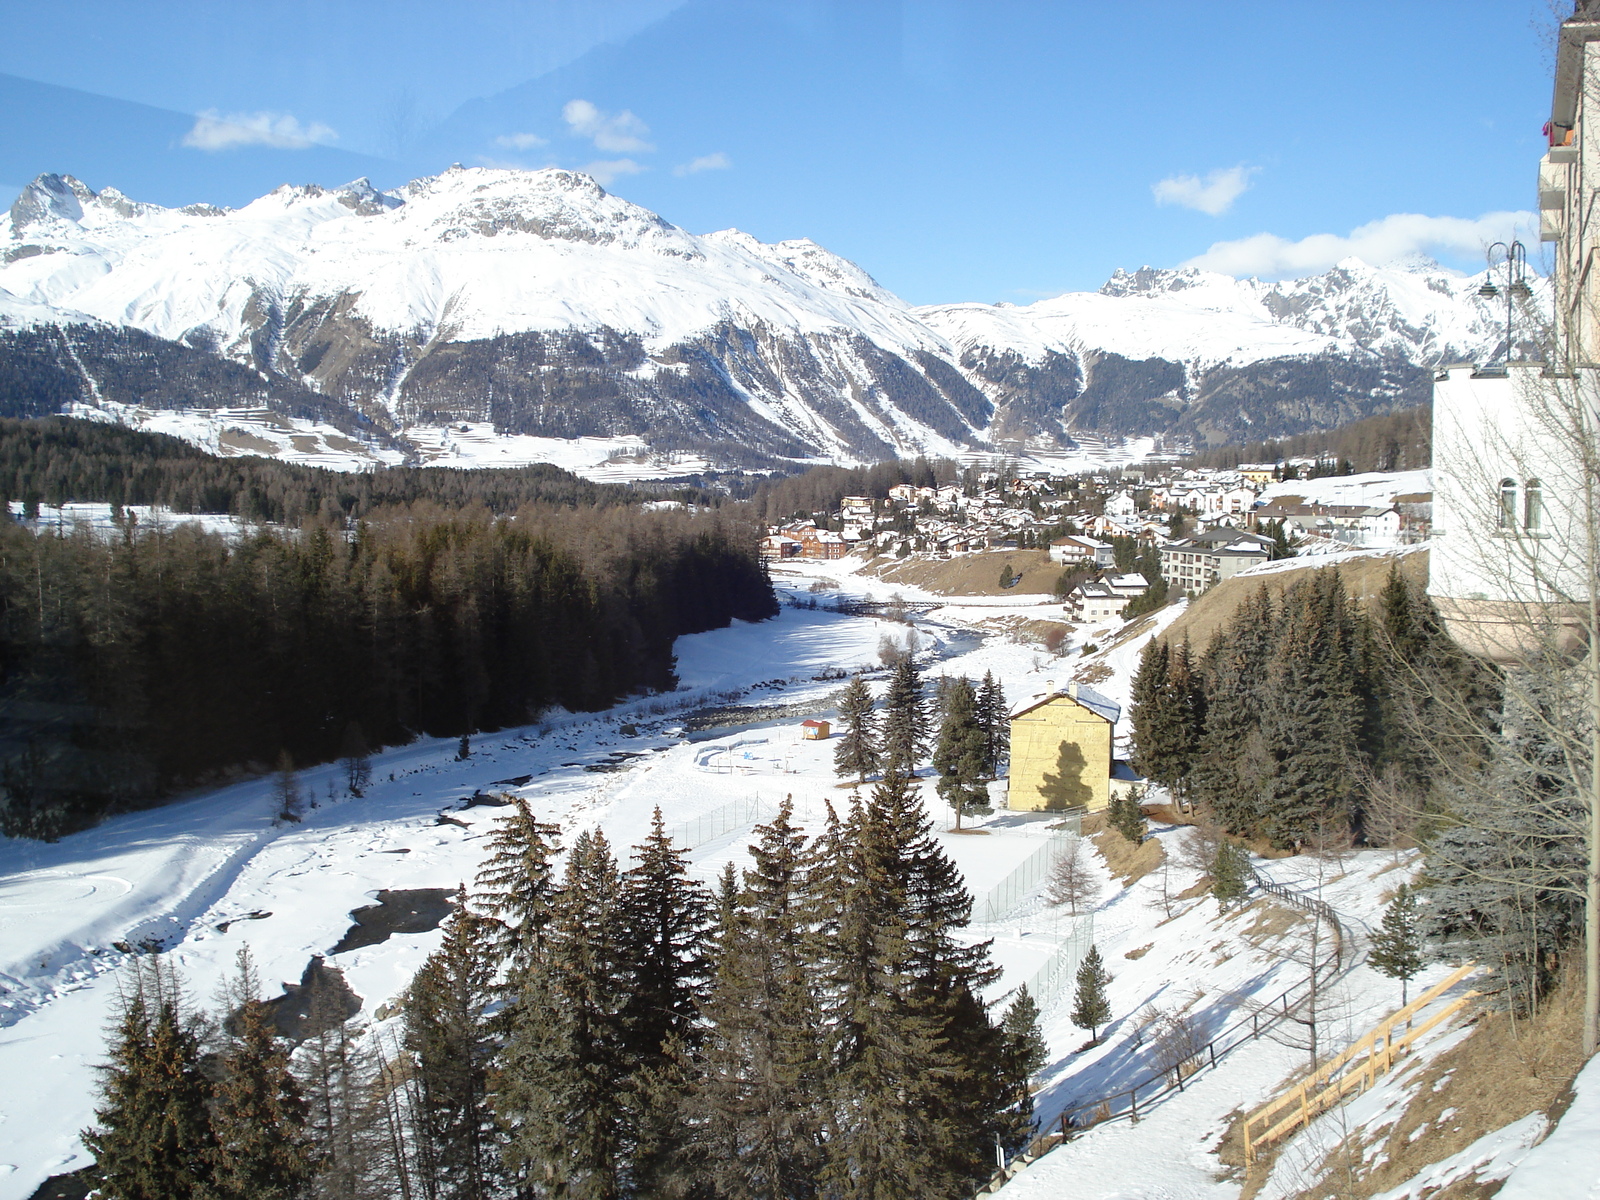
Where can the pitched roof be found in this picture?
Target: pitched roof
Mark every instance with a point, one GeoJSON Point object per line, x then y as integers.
{"type": "Point", "coordinates": [1102, 707]}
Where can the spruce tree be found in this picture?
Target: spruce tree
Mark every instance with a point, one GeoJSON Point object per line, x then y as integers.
{"type": "Point", "coordinates": [562, 1068]}
{"type": "Point", "coordinates": [1026, 1054]}
{"type": "Point", "coordinates": [1147, 697]}
{"type": "Point", "coordinates": [904, 720]}
{"type": "Point", "coordinates": [262, 1148]}
{"type": "Point", "coordinates": [152, 1139]}
{"type": "Point", "coordinates": [665, 924]}
{"type": "Point", "coordinates": [1397, 946]}
{"type": "Point", "coordinates": [1125, 816]}
{"type": "Point", "coordinates": [1310, 715]}
{"type": "Point", "coordinates": [1228, 775]}
{"type": "Point", "coordinates": [758, 1103]}
{"type": "Point", "coordinates": [857, 753]}
{"type": "Point", "coordinates": [1090, 1007]}
{"type": "Point", "coordinates": [917, 1102]}
{"type": "Point", "coordinates": [1230, 874]}
{"type": "Point", "coordinates": [516, 883]}
{"type": "Point", "coordinates": [448, 1033]}
{"type": "Point", "coordinates": [959, 754]}
{"type": "Point", "coordinates": [993, 715]}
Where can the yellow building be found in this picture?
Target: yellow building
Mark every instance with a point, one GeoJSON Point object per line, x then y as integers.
{"type": "Point", "coordinates": [1061, 751]}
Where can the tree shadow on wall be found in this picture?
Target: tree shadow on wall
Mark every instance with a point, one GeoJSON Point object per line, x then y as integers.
{"type": "Point", "coordinates": [1067, 788]}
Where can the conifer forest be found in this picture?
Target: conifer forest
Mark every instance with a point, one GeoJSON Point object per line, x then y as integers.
{"type": "Point", "coordinates": [810, 1027]}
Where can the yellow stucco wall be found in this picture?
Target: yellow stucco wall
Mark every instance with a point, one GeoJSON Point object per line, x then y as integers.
{"type": "Point", "coordinates": [1060, 758]}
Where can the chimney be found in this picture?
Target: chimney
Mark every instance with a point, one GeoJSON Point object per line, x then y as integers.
{"type": "Point", "coordinates": [1072, 690]}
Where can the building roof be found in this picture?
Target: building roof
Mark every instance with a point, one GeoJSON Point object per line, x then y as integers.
{"type": "Point", "coordinates": [1102, 707]}
{"type": "Point", "coordinates": [1131, 580]}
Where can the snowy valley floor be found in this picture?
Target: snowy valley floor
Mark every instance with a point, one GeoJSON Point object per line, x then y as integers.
{"type": "Point", "coordinates": [181, 872]}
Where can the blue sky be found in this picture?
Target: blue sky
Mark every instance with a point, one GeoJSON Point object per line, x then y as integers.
{"type": "Point", "coordinates": [957, 149]}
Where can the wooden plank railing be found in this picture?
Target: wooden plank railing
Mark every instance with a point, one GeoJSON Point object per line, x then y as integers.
{"type": "Point", "coordinates": [1355, 1069]}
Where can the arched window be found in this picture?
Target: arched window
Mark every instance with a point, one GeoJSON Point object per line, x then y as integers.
{"type": "Point", "coordinates": [1508, 504]}
{"type": "Point", "coordinates": [1532, 506]}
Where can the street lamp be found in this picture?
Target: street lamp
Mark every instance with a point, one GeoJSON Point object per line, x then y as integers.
{"type": "Point", "coordinates": [1514, 262]}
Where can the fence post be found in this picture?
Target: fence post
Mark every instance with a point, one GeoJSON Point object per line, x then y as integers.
{"type": "Point", "coordinates": [1255, 1025]}
{"type": "Point", "coordinates": [1133, 1101]}
{"type": "Point", "coordinates": [1211, 1047]}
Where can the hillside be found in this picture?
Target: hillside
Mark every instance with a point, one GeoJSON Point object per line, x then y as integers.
{"type": "Point", "coordinates": [1363, 576]}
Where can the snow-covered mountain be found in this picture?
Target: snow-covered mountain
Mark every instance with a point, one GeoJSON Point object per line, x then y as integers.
{"type": "Point", "coordinates": [536, 305]}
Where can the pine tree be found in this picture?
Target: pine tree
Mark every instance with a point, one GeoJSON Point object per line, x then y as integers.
{"type": "Point", "coordinates": [1397, 946]}
{"type": "Point", "coordinates": [258, 1116]}
{"type": "Point", "coordinates": [447, 1031]}
{"type": "Point", "coordinates": [857, 752]}
{"type": "Point", "coordinates": [1230, 879]}
{"type": "Point", "coordinates": [562, 1069]}
{"type": "Point", "coordinates": [1090, 1007]}
{"type": "Point", "coordinates": [758, 1102]}
{"type": "Point", "coordinates": [959, 754]}
{"type": "Point", "coordinates": [904, 720]}
{"type": "Point", "coordinates": [516, 884]}
{"type": "Point", "coordinates": [152, 1139]}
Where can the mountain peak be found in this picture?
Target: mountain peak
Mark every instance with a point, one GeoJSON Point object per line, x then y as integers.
{"type": "Point", "coordinates": [49, 196]}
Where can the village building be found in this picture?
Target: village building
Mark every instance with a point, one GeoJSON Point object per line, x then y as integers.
{"type": "Point", "coordinates": [1085, 550]}
{"type": "Point", "coordinates": [1061, 751]}
{"type": "Point", "coordinates": [1192, 565]}
{"type": "Point", "coordinates": [1103, 599]}
{"type": "Point", "coordinates": [779, 545]}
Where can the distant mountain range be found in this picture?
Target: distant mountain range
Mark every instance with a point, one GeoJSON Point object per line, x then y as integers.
{"type": "Point", "coordinates": [509, 308]}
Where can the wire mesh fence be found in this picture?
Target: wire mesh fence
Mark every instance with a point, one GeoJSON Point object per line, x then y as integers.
{"type": "Point", "coordinates": [1052, 979]}
{"type": "Point", "coordinates": [1008, 895]}
{"type": "Point", "coordinates": [691, 835]}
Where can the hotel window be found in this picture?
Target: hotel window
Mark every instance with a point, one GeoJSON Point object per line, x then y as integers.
{"type": "Point", "coordinates": [1508, 504]}
{"type": "Point", "coordinates": [1532, 506]}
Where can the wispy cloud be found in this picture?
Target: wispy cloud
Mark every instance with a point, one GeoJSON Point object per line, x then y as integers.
{"type": "Point", "coordinates": [1398, 236]}
{"type": "Point", "coordinates": [1213, 195]}
{"type": "Point", "coordinates": [706, 162]}
{"type": "Point", "coordinates": [217, 131]}
{"type": "Point", "coordinates": [519, 141]}
{"type": "Point", "coordinates": [607, 171]}
{"type": "Point", "coordinates": [615, 133]}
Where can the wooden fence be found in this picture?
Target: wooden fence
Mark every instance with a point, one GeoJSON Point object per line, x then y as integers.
{"type": "Point", "coordinates": [1353, 1070]}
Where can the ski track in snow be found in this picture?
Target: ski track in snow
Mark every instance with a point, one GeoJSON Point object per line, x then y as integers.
{"type": "Point", "coordinates": [179, 871]}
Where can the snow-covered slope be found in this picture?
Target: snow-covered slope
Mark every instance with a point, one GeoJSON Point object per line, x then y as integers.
{"type": "Point", "coordinates": [537, 302]}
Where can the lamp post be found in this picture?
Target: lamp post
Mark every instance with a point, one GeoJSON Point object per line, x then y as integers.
{"type": "Point", "coordinates": [1514, 262]}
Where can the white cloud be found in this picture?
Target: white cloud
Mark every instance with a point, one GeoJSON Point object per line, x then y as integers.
{"type": "Point", "coordinates": [619, 133]}
{"type": "Point", "coordinates": [706, 162]}
{"type": "Point", "coordinates": [214, 131]}
{"type": "Point", "coordinates": [605, 171]}
{"type": "Point", "coordinates": [1213, 195]}
{"type": "Point", "coordinates": [519, 141]}
{"type": "Point", "coordinates": [1397, 236]}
